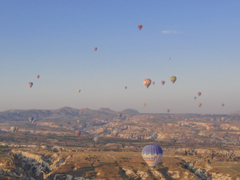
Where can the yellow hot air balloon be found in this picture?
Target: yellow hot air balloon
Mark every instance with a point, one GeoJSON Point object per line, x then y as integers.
{"type": "Point", "coordinates": [173, 79]}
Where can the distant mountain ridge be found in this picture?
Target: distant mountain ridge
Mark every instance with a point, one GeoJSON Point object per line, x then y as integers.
{"type": "Point", "coordinates": [64, 113]}
{"type": "Point", "coordinates": [234, 112]}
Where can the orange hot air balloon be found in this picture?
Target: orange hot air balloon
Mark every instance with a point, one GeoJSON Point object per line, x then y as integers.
{"type": "Point", "coordinates": [169, 58]}
{"type": "Point", "coordinates": [199, 104]}
{"type": "Point", "coordinates": [208, 128]}
{"type": "Point", "coordinates": [78, 133]}
{"type": "Point", "coordinates": [199, 93]}
{"type": "Point", "coordinates": [38, 76]}
{"type": "Point", "coordinates": [30, 84]}
{"type": "Point", "coordinates": [125, 87]}
{"type": "Point", "coordinates": [16, 130]}
{"type": "Point", "coordinates": [140, 26]}
{"type": "Point", "coordinates": [95, 48]}
{"type": "Point", "coordinates": [153, 82]}
{"type": "Point", "coordinates": [163, 82]}
{"type": "Point", "coordinates": [147, 82]}
{"type": "Point", "coordinates": [144, 104]}
{"type": "Point", "coordinates": [168, 110]}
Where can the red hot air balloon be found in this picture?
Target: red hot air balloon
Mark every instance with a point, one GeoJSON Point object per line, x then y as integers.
{"type": "Point", "coordinates": [127, 119]}
{"type": "Point", "coordinates": [147, 82]}
{"type": "Point", "coordinates": [148, 117]}
{"type": "Point", "coordinates": [95, 48]}
{"type": "Point", "coordinates": [78, 133]}
{"type": "Point", "coordinates": [223, 104]}
{"type": "Point", "coordinates": [140, 26]}
{"type": "Point", "coordinates": [199, 93]}
{"type": "Point", "coordinates": [195, 97]}
{"type": "Point", "coordinates": [163, 82]}
{"type": "Point", "coordinates": [169, 58]}
{"type": "Point", "coordinates": [168, 110]}
{"type": "Point", "coordinates": [125, 87]}
{"type": "Point", "coordinates": [38, 76]}
{"type": "Point", "coordinates": [153, 82]}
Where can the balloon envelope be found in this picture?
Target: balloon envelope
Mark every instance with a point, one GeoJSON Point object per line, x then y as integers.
{"type": "Point", "coordinates": [95, 48]}
{"type": "Point", "coordinates": [147, 82]}
{"type": "Point", "coordinates": [140, 26]}
{"type": "Point", "coordinates": [30, 84]}
{"type": "Point", "coordinates": [115, 133]}
{"type": "Point", "coordinates": [31, 119]}
{"type": "Point", "coordinates": [13, 128]}
{"type": "Point", "coordinates": [152, 154]}
{"type": "Point", "coordinates": [96, 139]}
{"type": "Point", "coordinates": [125, 87]}
{"type": "Point", "coordinates": [199, 93]}
{"type": "Point", "coordinates": [195, 97]}
{"type": "Point", "coordinates": [78, 132]}
{"type": "Point", "coordinates": [38, 76]}
{"type": "Point", "coordinates": [144, 104]}
{"type": "Point", "coordinates": [163, 82]}
{"type": "Point", "coordinates": [153, 82]}
{"type": "Point", "coordinates": [223, 104]}
{"type": "Point", "coordinates": [168, 110]}
{"type": "Point", "coordinates": [173, 79]}
{"type": "Point", "coordinates": [199, 104]}
{"type": "Point", "coordinates": [79, 90]}
{"type": "Point", "coordinates": [120, 115]}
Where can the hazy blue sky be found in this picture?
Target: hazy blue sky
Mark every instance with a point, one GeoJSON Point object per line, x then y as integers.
{"type": "Point", "coordinates": [56, 40]}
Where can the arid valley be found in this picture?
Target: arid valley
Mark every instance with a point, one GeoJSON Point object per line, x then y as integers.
{"type": "Point", "coordinates": [195, 146]}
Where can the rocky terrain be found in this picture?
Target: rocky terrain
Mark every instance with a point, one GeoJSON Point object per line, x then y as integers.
{"type": "Point", "coordinates": [196, 146]}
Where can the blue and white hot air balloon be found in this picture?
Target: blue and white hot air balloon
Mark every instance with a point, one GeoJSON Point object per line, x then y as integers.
{"type": "Point", "coordinates": [152, 154]}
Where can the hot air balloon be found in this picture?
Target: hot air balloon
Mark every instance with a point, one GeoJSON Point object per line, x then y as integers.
{"type": "Point", "coordinates": [78, 121]}
{"type": "Point", "coordinates": [163, 82]}
{"type": "Point", "coordinates": [96, 139]}
{"type": "Point", "coordinates": [148, 117]}
{"type": "Point", "coordinates": [125, 87]}
{"type": "Point", "coordinates": [13, 128]}
{"type": "Point", "coordinates": [120, 115]}
{"type": "Point", "coordinates": [223, 104]}
{"type": "Point", "coordinates": [79, 90]}
{"type": "Point", "coordinates": [127, 119]}
{"type": "Point", "coordinates": [168, 110]}
{"type": "Point", "coordinates": [147, 82]}
{"type": "Point", "coordinates": [16, 130]}
{"type": "Point", "coordinates": [152, 154]}
{"type": "Point", "coordinates": [199, 93]}
{"type": "Point", "coordinates": [31, 119]}
{"type": "Point", "coordinates": [140, 26]}
{"type": "Point", "coordinates": [169, 58]}
{"type": "Point", "coordinates": [199, 104]}
{"type": "Point", "coordinates": [153, 82]}
{"type": "Point", "coordinates": [195, 97]}
{"type": "Point", "coordinates": [38, 76]}
{"type": "Point", "coordinates": [208, 128]}
{"type": "Point", "coordinates": [173, 79]}
{"type": "Point", "coordinates": [186, 120]}
{"type": "Point", "coordinates": [30, 84]}
{"type": "Point", "coordinates": [95, 48]}
{"type": "Point", "coordinates": [144, 104]}
{"type": "Point", "coordinates": [223, 119]}
{"type": "Point", "coordinates": [78, 132]}
{"type": "Point", "coordinates": [115, 133]}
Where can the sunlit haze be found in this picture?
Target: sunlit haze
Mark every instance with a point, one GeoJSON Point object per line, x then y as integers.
{"type": "Point", "coordinates": [56, 40]}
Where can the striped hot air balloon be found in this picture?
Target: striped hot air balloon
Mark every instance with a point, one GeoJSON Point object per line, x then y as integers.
{"type": "Point", "coordinates": [152, 154]}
